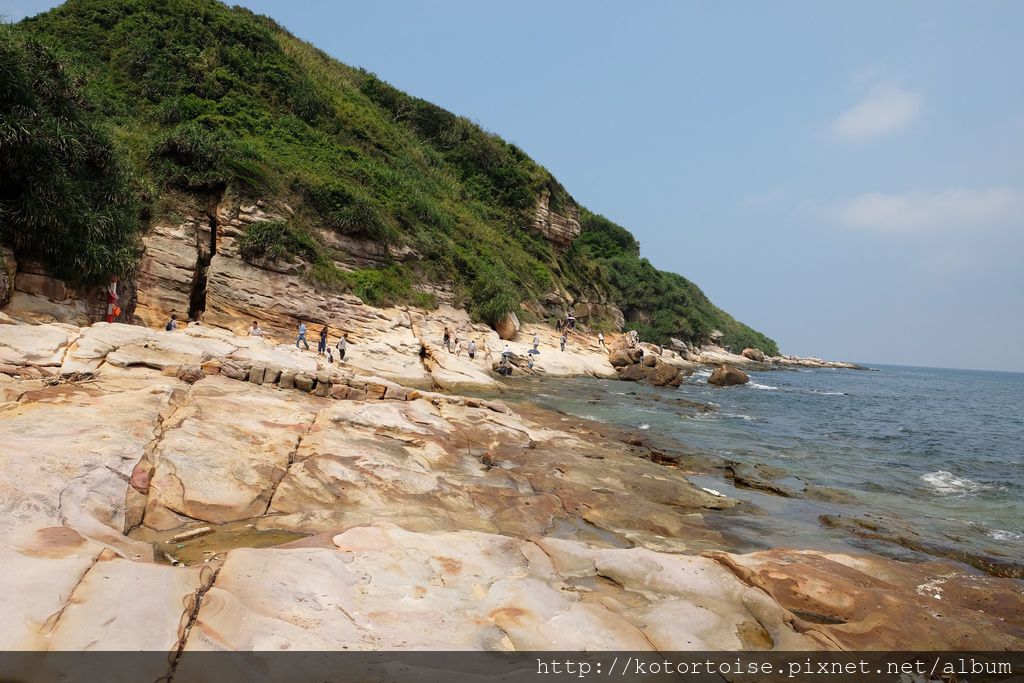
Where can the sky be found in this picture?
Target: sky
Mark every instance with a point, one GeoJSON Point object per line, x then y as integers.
{"type": "Point", "coordinates": [845, 177]}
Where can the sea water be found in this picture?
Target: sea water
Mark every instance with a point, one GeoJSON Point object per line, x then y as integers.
{"type": "Point", "coordinates": [937, 452]}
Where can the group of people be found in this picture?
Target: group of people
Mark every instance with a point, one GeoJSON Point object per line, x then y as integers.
{"type": "Point", "coordinates": [450, 342]}
{"type": "Point", "coordinates": [322, 347]}
{"type": "Point", "coordinates": [455, 345]}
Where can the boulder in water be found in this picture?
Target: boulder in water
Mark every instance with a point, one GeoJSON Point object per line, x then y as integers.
{"type": "Point", "coordinates": [727, 376]}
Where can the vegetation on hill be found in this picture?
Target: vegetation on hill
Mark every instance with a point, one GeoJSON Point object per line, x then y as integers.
{"type": "Point", "coordinates": [172, 96]}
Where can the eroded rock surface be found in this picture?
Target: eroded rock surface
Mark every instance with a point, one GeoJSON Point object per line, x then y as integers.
{"type": "Point", "coordinates": [427, 520]}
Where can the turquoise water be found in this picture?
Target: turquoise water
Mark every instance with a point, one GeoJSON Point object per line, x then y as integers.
{"type": "Point", "coordinates": [939, 450]}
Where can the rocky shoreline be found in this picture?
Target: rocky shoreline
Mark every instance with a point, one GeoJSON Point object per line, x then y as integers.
{"type": "Point", "coordinates": [239, 508]}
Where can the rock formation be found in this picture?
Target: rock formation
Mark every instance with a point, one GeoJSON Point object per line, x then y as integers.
{"type": "Point", "coordinates": [205, 476]}
{"type": "Point", "coordinates": [727, 376]}
{"type": "Point", "coordinates": [558, 228]}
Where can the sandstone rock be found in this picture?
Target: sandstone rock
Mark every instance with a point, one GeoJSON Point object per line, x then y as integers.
{"type": "Point", "coordinates": [649, 360]}
{"type": "Point", "coordinates": [39, 345]}
{"type": "Point", "coordinates": [624, 357]}
{"type": "Point", "coordinates": [190, 374]}
{"type": "Point", "coordinates": [725, 376]}
{"type": "Point", "coordinates": [508, 326]}
{"type": "Point", "coordinates": [271, 375]}
{"type": "Point", "coordinates": [323, 384]}
{"type": "Point", "coordinates": [229, 472]}
{"type": "Point", "coordinates": [211, 367]}
{"type": "Point", "coordinates": [356, 394]}
{"type": "Point", "coordinates": [754, 354]}
{"type": "Point", "coordinates": [287, 379]}
{"type": "Point", "coordinates": [234, 370]}
{"type": "Point", "coordinates": [632, 373]}
{"type": "Point", "coordinates": [857, 601]}
{"type": "Point", "coordinates": [256, 373]}
{"type": "Point", "coordinates": [384, 588]}
{"type": "Point", "coordinates": [395, 392]}
{"type": "Point", "coordinates": [558, 228]}
{"type": "Point", "coordinates": [304, 382]}
{"type": "Point", "coordinates": [664, 374]}
{"type": "Point", "coordinates": [340, 391]}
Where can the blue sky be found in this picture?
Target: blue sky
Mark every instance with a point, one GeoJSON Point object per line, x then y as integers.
{"type": "Point", "coordinates": [846, 178]}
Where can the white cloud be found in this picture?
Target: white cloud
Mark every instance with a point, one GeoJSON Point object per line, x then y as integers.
{"type": "Point", "coordinates": [885, 109]}
{"type": "Point", "coordinates": [929, 212]}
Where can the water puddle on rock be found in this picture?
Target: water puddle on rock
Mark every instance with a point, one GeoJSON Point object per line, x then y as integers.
{"type": "Point", "coordinates": [219, 540]}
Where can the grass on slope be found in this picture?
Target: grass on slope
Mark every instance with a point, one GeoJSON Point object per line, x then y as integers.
{"type": "Point", "coordinates": [198, 97]}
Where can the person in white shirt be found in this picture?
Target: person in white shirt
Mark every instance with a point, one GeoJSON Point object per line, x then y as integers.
{"type": "Point", "coordinates": [342, 346]}
{"type": "Point", "coordinates": [255, 330]}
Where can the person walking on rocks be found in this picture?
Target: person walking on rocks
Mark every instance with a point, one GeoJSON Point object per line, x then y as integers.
{"type": "Point", "coordinates": [459, 345]}
{"type": "Point", "coordinates": [112, 308]}
{"type": "Point", "coordinates": [447, 343]}
{"type": "Point", "coordinates": [487, 351]}
{"type": "Point", "coordinates": [321, 348]}
{"type": "Point", "coordinates": [472, 349]}
{"type": "Point", "coordinates": [301, 339]}
{"type": "Point", "coordinates": [342, 346]}
{"type": "Point", "coordinates": [255, 330]}
{"type": "Point", "coordinates": [172, 324]}
{"type": "Point", "coordinates": [536, 341]}
{"type": "Point", "coordinates": [565, 338]}
{"type": "Point", "coordinates": [600, 340]}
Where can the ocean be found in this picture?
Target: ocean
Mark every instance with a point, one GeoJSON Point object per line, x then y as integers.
{"type": "Point", "coordinates": [921, 458]}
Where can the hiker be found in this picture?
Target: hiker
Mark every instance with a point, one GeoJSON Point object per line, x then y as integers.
{"type": "Point", "coordinates": [321, 348]}
{"type": "Point", "coordinates": [302, 336]}
{"type": "Point", "coordinates": [255, 330]}
{"type": "Point", "coordinates": [536, 341]}
{"type": "Point", "coordinates": [112, 308]}
{"type": "Point", "coordinates": [172, 324]}
{"type": "Point", "coordinates": [558, 325]}
{"type": "Point", "coordinates": [458, 346]}
{"type": "Point", "coordinates": [342, 346]}
{"type": "Point", "coordinates": [447, 343]}
{"type": "Point", "coordinates": [487, 351]}
{"type": "Point", "coordinates": [565, 337]}
{"type": "Point", "coordinates": [600, 340]}
{"type": "Point", "coordinates": [472, 349]}
{"type": "Point", "coordinates": [529, 363]}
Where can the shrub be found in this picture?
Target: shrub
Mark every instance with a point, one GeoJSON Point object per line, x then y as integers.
{"type": "Point", "coordinates": [277, 240]}
{"type": "Point", "coordinates": [65, 192]}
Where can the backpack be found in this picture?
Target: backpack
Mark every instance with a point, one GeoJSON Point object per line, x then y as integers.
{"type": "Point", "coordinates": [169, 325]}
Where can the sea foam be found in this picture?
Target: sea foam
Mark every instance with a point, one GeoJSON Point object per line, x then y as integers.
{"type": "Point", "coordinates": [948, 483]}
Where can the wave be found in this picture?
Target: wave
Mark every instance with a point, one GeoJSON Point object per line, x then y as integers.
{"type": "Point", "coordinates": [821, 392]}
{"type": "Point", "coordinates": [766, 387]}
{"type": "Point", "coordinates": [948, 483]}
{"type": "Point", "coordinates": [703, 373]}
{"type": "Point", "coordinates": [645, 426]}
{"type": "Point", "coordinates": [1001, 535]}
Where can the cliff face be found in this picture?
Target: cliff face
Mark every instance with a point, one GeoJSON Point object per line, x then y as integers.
{"type": "Point", "coordinates": [558, 228]}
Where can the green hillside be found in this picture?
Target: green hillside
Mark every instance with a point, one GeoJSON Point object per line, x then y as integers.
{"type": "Point", "coordinates": [112, 109]}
